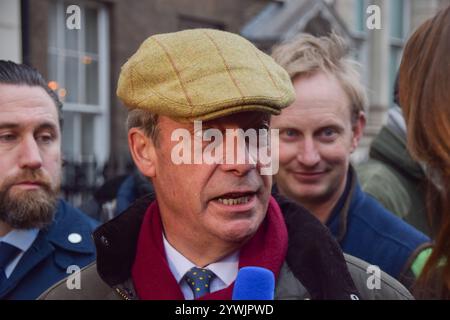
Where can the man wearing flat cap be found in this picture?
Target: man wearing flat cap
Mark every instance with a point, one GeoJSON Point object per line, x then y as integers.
{"type": "Point", "coordinates": [191, 96]}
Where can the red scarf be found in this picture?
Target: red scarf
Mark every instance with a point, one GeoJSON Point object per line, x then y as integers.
{"type": "Point", "coordinates": [151, 274]}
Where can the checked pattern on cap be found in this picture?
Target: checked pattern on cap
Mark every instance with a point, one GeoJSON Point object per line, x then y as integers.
{"type": "Point", "coordinates": [199, 281]}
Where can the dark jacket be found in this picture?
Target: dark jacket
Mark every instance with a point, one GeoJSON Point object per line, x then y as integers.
{"type": "Point", "coordinates": [116, 195]}
{"type": "Point", "coordinates": [314, 266]}
{"type": "Point", "coordinates": [365, 229]}
{"type": "Point", "coordinates": [393, 178]}
{"type": "Point", "coordinates": [48, 258]}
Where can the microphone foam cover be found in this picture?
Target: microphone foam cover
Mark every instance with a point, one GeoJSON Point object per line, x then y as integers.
{"type": "Point", "coordinates": [254, 283]}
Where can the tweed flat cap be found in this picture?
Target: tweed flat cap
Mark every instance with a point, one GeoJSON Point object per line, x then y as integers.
{"type": "Point", "coordinates": [202, 74]}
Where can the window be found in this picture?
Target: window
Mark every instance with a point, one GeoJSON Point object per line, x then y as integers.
{"type": "Point", "coordinates": [398, 13]}
{"type": "Point", "coordinates": [396, 8]}
{"type": "Point", "coordinates": [78, 69]}
{"type": "Point", "coordinates": [360, 35]}
{"type": "Point", "coordinates": [360, 12]}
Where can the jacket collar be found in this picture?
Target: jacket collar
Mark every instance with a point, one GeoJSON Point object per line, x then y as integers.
{"type": "Point", "coordinates": [311, 252]}
{"type": "Point", "coordinates": [49, 240]}
{"type": "Point", "coordinates": [116, 242]}
{"type": "Point", "coordinates": [68, 231]}
{"type": "Point", "coordinates": [337, 222]}
{"type": "Point", "coordinates": [391, 149]}
{"type": "Point", "coordinates": [39, 250]}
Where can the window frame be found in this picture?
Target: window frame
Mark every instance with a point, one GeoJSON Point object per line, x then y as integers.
{"type": "Point", "coordinates": [100, 111]}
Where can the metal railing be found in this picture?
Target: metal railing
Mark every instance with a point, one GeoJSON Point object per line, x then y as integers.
{"type": "Point", "coordinates": [80, 178]}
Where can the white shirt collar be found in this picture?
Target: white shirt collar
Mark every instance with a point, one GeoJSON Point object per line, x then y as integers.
{"type": "Point", "coordinates": [22, 239]}
{"type": "Point", "coordinates": [178, 264]}
{"type": "Point", "coordinates": [226, 269]}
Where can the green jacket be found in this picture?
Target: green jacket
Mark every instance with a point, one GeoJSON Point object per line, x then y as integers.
{"type": "Point", "coordinates": [393, 178]}
{"type": "Point", "coordinates": [314, 267]}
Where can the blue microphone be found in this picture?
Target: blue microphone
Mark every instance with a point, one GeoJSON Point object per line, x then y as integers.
{"type": "Point", "coordinates": [254, 283]}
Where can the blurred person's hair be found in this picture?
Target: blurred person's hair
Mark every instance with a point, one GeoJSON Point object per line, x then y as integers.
{"type": "Point", "coordinates": [424, 92]}
{"type": "Point", "coordinates": [306, 54]}
{"type": "Point", "coordinates": [22, 74]}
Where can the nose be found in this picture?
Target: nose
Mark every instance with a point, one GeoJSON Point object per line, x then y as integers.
{"type": "Point", "coordinates": [238, 169]}
{"type": "Point", "coordinates": [239, 157]}
{"type": "Point", "coordinates": [309, 155]}
{"type": "Point", "coordinates": [30, 154]}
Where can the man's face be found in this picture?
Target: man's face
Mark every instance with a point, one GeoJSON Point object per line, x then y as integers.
{"type": "Point", "coordinates": [195, 199]}
{"type": "Point", "coordinates": [30, 161]}
{"type": "Point", "coordinates": [316, 140]}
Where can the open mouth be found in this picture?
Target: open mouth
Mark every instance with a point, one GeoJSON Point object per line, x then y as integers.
{"type": "Point", "coordinates": [235, 198]}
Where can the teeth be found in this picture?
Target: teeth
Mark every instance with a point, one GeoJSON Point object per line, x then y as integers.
{"type": "Point", "coordinates": [234, 201]}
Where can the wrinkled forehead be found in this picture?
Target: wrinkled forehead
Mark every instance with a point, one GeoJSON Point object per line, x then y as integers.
{"type": "Point", "coordinates": [17, 93]}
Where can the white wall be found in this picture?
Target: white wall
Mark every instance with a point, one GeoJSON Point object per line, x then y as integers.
{"type": "Point", "coordinates": [10, 31]}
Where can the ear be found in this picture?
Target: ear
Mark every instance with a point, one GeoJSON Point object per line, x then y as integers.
{"type": "Point", "coordinates": [358, 130]}
{"type": "Point", "coordinates": [142, 151]}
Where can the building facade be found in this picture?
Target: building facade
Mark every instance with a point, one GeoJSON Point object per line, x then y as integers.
{"type": "Point", "coordinates": [11, 30]}
{"type": "Point", "coordinates": [80, 46]}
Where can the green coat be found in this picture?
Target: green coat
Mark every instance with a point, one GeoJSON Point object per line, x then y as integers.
{"type": "Point", "coordinates": [393, 178]}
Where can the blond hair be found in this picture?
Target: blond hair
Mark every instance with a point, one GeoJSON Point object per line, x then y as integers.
{"type": "Point", "coordinates": [306, 55]}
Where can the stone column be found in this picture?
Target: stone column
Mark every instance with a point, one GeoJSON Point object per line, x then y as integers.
{"type": "Point", "coordinates": [378, 78]}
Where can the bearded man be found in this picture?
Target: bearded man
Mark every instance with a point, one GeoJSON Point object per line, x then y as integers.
{"type": "Point", "coordinates": [42, 238]}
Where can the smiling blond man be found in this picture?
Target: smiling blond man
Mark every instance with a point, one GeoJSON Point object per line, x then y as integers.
{"type": "Point", "coordinates": [318, 133]}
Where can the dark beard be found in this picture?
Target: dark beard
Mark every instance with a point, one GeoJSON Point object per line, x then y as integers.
{"type": "Point", "coordinates": [28, 209]}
